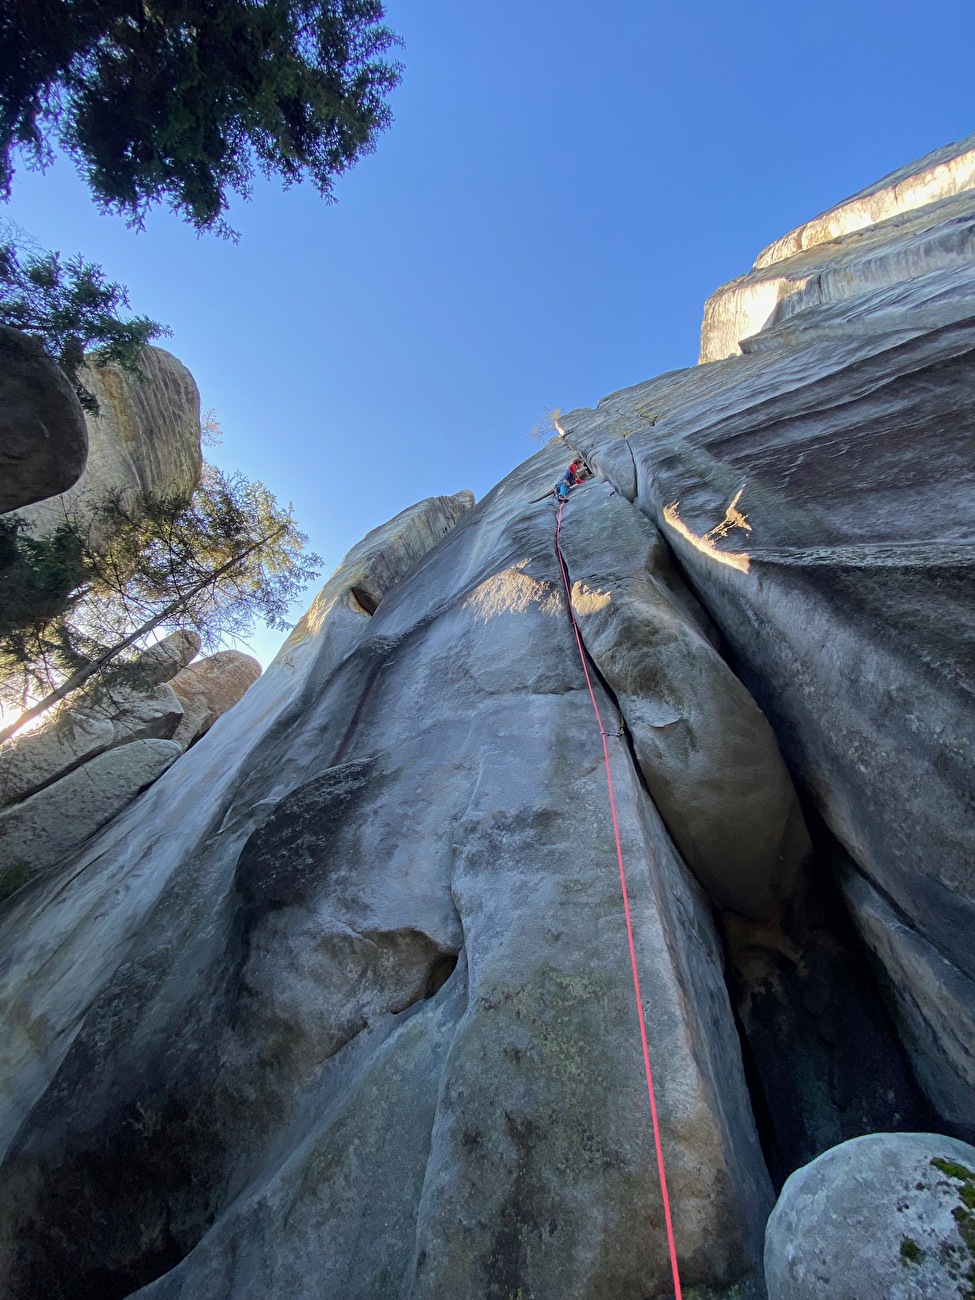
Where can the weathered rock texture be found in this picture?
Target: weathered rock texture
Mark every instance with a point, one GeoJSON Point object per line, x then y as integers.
{"type": "Point", "coordinates": [209, 688]}
{"type": "Point", "coordinates": [342, 1004]}
{"type": "Point", "coordinates": [818, 495]}
{"type": "Point", "coordinates": [145, 439]}
{"type": "Point", "coordinates": [48, 827]}
{"type": "Point", "coordinates": [890, 1216]}
{"type": "Point", "coordinates": [912, 223]}
{"type": "Point", "coordinates": [461, 1014]}
{"type": "Point", "coordinates": [40, 757]}
{"type": "Point", "coordinates": [43, 440]}
{"type": "Point", "coordinates": [47, 815]}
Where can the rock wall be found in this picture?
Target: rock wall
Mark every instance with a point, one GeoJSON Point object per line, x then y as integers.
{"type": "Point", "coordinates": [43, 440]}
{"type": "Point", "coordinates": [818, 493]}
{"type": "Point", "coordinates": [144, 439]}
{"type": "Point", "coordinates": [342, 1004]}
{"type": "Point", "coordinates": [62, 783]}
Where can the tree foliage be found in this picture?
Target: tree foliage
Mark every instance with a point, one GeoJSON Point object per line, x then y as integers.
{"type": "Point", "coordinates": [230, 557]}
{"type": "Point", "coordinates": [73, 309]}
{"type": "Point", "coordinates": [182, 100]}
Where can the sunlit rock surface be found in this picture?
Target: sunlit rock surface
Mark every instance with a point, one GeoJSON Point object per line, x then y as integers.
{"type": "Point", "coordinates": [916, 221]}
{"type": "Point", "coordinates": [208, 688]}
{"type": "Point", "coordinates": [145, 440]}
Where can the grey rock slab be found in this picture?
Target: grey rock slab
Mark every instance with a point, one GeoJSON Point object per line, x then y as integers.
{"type": "Point", "coordinates": [343, 1239]}
{"type": "Point", "coordinates": [36, 758]}
{"type": "Point", "coordinates": [158, 843]}
{"type": "Point", "coordinates": [43, 440]}
{"type": "Point", "coordinates": [399, 791]}
{"type": "Point", "coordinates": [888, 1216]}
{"type": "Point", "coordinates": [932, 1000]}
{"type": "Point", "coordinates": [48, 827]}
{"type": "Point", "coordinates": [153, 713]}
{"type": "Point", "coordinates": [209, 688]}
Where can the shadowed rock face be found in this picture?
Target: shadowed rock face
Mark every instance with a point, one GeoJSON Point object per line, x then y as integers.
{"type": "Point", "coordinates": [818, 496]}
{"type": "Point", "coordinates": [43, 441]}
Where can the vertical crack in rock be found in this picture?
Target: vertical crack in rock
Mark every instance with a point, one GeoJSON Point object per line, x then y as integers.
{"type": "Point", "coordinates": [822, 1061]}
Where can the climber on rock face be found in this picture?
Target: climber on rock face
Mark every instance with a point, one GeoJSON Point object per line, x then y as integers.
{"type": "Point", "coordinates": [577, 472]}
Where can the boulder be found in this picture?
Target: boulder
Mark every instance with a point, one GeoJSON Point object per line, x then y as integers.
{"type": "Point", "coordinates": [136, 714]}
{"type": "Point", "coordinates": [709, 757]}
{"type": "Point", "coordinates": [148, 708]}
{"type": "Point", "coordinates": [169, 656]}
{"type": "Point", "coordinates": [36, 758]}
{"type": "Point", "coordinates": [208, 688]}
{"type": "Point", "coordinates": [43, 439]}
{"type": "Point", "coordinates": [145, 439]}
{"type": "Point", "coordinates": [48, 827]}
{"type": "Point", "coordinates": [888, 1216]}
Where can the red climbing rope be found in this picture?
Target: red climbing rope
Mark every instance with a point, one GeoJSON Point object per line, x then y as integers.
{"type": "Point", "coordinates": [629, 923]}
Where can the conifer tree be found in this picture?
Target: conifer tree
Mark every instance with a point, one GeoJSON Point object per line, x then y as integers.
{"type": "Point", "coordinates": [181, 101]}
{"type": "Point", "coordinates": [229, 557]}
{"type": "Point", "coordinates": [74, 310]}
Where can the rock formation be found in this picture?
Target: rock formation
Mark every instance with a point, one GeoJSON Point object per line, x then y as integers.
{"type": "Point", "coordinates": [58, 785]}
{"type": "Point", "coordinates": [207, 689]}
{"type": "Point", "coordinates": [889, 1216]}
{"type": "Point", "coordinates": [145, 439]}
{"type": "Point", "coordinates": [342, 1006]}
{"type": "Point", "coordinates": [43, 440]}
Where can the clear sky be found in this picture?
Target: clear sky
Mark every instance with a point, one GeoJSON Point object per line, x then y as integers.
{"type": "Point", "coordinates": [561, 189]}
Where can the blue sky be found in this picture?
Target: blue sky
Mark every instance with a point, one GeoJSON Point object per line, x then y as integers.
{"type": "Point", "coordinates": [561, 189]}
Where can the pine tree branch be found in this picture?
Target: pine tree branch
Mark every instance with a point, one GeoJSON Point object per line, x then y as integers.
{"type": "Point", "coordinates": [82, 675]}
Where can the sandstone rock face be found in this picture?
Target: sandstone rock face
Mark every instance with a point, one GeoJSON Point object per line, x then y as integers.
{"type": "Point", "coordinates": [352, 979]}
{"type": "Point", "coordinates": [152, 714]}
{"type": "Point", "coordinates": [43, 440]}
{"type": "Point", "coordinates": [209, 688]}
{"type": "Point", "coordinates": [48, 827]}
{"type": "Point", "coordinates": [414, 958]}
{"type": "Point", "coordinates": [914, 222]}
{"type": "Point", "coordinates": [818, 495]}
{"type": "Point", "coordinates": [888, 1216]}
{"type": "Point", "coordinates": [709, 757]}
{"type": "Point", "coordinates": [144, 439]}
{"type": "Point", "coordinates": [170, 655]}
{"type": "Point", "coordinates": [37, 758]}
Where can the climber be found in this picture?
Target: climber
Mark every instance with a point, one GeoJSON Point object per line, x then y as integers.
{"type": "Point", "coordinates": [577, 472]}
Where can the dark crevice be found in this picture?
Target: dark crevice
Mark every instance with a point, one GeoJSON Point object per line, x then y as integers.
{"type": "Point", "coordinates": [821, 1056]}
{"type": "Point", "coordinates": [822, 1059]}
{"type": "Point", "coordinates": [363, 601]}
{"type": "Point", "coordinates": [442, 968]}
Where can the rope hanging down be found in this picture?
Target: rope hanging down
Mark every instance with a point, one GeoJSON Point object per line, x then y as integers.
{"type": "Point", "coordinates": [629, 924]}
